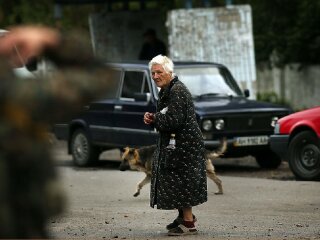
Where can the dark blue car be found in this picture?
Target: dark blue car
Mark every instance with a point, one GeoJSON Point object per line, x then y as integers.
{"type": "Point", "coordinates": [222, 109]}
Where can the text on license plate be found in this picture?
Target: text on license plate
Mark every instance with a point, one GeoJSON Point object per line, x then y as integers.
{"type": "Point", "coordinates": [251, 141]}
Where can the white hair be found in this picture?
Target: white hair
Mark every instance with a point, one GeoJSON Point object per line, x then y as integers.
{"type": "Point", "coordinates": [164, 61]}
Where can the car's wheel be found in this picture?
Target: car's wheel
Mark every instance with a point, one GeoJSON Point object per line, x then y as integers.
{"type": "Point", "coordinates": [304, 156]}
{"type": "Point", "coordinates": [267, 159]}
{"type": "Point", "coordinates": [83, 153]}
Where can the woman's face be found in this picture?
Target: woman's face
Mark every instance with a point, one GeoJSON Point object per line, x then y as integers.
{"type": "Point", "coordinates": [160, 76]}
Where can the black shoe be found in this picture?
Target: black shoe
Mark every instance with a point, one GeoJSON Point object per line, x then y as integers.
{"type": "Point", "coordinates": [177, 222]}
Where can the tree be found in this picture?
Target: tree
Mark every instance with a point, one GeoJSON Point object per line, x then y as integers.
{"type": "Point", "coordinates": [26, 11]}
{"type": "Point", "coordinates": [288, 28]}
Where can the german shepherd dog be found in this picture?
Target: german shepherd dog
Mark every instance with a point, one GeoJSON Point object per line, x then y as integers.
{"type": "Point", "coordinates": [141, 159]}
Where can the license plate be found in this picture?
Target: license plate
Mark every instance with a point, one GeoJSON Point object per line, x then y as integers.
{"type": "Point", "coordinates": [251, 141]}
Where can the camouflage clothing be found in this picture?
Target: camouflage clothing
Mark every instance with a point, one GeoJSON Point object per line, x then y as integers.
{"type": "Point", "coordinates": [30, 192]}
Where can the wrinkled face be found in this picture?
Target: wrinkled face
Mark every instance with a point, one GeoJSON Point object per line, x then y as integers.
{"type": "Point", "coordinates": [160, 76]}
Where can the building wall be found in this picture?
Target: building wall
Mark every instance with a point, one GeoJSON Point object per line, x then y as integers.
{"type": "Point", "coordinates": [222, 35]}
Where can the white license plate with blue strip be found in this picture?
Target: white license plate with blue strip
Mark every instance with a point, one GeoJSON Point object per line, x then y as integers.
{"type": "Point", "coordinates": [251, 141]}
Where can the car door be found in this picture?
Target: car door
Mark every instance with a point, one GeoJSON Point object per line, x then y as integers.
{"type": "Point", "coordinates": [135, 99]}
{"type": "Point", "coordinates": [99, 114]}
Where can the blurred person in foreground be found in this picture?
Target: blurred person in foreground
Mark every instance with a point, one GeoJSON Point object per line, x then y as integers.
{"type": "Point", "coordinates": [29, 186]}
{"type": "Point", "coordinates": [178, 173]}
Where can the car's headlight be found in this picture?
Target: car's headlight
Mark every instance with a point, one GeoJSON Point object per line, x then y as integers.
{"type": "Point", "coordinates": [277, 128]}
{"type": "Point", "coordinates": [274, 121]}
{"type": "Point", "coordinates": [219, 124]}
{"type": "Point", "coordinates": [207, 125]}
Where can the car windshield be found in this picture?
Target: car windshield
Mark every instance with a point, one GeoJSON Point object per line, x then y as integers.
{"type": "Point", "coordinates": [208, 82]}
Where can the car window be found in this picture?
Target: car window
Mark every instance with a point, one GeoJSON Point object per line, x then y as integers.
{"type": "Point", "coordinates": [114, 84]}
{"type": "Point", "coordinates": [145, 87]}
{"type": "Point", "coordinates": [134, 82]}
{"type": "Point", "coordinates": [206, 81]}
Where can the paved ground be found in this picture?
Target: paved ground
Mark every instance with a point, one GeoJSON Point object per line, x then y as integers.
{"type": "Point", "coordinates": [256, 205]}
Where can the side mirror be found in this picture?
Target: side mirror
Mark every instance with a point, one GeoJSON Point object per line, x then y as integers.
{"type": "Point", "coordinates": [246, 93]}
{"type": "Point", "coordinates": [142, 97]}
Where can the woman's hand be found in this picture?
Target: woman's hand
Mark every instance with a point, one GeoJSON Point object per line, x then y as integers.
{"type": "Point", "coordinates": [148, 118]}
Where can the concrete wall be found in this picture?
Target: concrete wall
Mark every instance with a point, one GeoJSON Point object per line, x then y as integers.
{"type": "Point", "coordinates": [298, 86]}
{"type": "Point", "coordinates": [222, 35]}
{"type": "Point", "coordinates": [117, 36]}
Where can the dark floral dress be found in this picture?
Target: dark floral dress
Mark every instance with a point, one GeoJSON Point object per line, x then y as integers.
{"type": "Point", "coordinates": [179, 175]}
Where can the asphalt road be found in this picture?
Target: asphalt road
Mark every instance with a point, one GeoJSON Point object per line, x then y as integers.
{"type": "Point", "coordinates": [257, 204]}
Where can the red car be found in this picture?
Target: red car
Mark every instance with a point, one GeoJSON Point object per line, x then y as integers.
{"type": "Point", "coordinates": [297, 139]}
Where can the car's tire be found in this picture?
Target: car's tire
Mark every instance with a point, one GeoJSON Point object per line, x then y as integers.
{"type": "Point", "coordinates": [304, 156]}
{"type": "Point", "coordinates": [268, 159]}
{"type": "Point", "coordinates": [83, 153]}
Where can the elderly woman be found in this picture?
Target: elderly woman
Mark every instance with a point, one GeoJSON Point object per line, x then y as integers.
{"type": "Point", "coordinates": [178, 172]}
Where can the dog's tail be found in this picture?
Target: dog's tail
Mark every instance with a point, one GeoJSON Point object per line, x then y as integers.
{"type": "Point", "coordinates": [221, 150]}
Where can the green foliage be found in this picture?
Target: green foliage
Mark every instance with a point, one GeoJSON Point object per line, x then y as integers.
{"type": "Point", "coordinates": [287, 29]}
{"type": "Point", "coordinates": [16, 12]}
{"type": "Point", "coordinates": [26, 12]}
